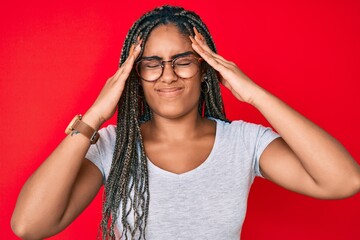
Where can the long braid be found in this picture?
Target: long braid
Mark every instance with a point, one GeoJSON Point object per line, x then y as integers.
{"type": "Point", "coordinates": [128, 181]}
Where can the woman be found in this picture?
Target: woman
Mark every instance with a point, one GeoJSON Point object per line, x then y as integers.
{"type": "Point", "coordinates": [174, 166]}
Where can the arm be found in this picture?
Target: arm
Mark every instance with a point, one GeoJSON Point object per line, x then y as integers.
{"type": "Point", "coordinates": [66, 182]}
{"type": "Point", "coordinates": [306, 159]}
{"type": "Point", "coordinates": [58, 191]}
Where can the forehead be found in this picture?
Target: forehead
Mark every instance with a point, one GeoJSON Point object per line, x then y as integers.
{"type": "Point", "coordinates": [165, 41]}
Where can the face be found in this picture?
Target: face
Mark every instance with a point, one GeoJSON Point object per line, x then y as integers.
{"type": "Point", "coordinates": [170, 96]}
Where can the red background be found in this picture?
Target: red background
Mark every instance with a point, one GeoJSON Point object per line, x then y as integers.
{"type": "Point", "coordinates": [55, 58]}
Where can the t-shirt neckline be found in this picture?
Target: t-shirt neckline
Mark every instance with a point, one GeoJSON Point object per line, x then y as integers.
{"type": "Point", "coordinates": [203, 165]}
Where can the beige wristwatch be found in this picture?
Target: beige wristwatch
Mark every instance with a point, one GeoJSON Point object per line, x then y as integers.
{"type": "Point", "coordinates": [78, 126]}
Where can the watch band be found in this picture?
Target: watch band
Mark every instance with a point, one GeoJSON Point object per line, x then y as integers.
{"type": "Point", "coordinates": [77, 125]}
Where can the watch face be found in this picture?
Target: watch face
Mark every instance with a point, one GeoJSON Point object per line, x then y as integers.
{"type": "Point", "coordinates": [70, 128]}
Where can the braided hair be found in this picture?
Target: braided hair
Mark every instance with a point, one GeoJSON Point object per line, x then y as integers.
{"type": "Point", "coordinates": [127, 186]}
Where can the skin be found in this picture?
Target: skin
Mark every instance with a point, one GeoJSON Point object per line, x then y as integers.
{"type": "Point", "coordinates": [306, 159]}
{"type": "Point", "coordinates": [174, 103]}
{"type": "Point", "coordinates": [43, 210]}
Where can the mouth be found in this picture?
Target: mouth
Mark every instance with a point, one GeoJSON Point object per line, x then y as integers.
{"type": "Point", "coordinates": [169, 91]}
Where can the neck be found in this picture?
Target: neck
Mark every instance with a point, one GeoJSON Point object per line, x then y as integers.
{"type": "Point", "coordinates": [178, 129]}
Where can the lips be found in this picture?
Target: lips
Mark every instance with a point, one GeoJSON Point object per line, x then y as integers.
{"type": "Point", "coordinates": [169, 91]}
{"type": "Point", "coordinates": [172, 89]}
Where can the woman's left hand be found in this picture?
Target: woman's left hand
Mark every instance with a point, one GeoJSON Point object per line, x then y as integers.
{"type": "Point", "coordinates": [241, 86]}
{"type": "Point", "coordinates": [330, 173]}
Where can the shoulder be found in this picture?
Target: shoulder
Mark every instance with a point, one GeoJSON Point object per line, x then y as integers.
{"type": "Point", "coordinates": [242, 132]}
{"type": "Point", "coordinates": [108, 132]}
{"type": "Point", "coordinates": [238, 127]}
{"type": "Point", "coordinates": [107, 137]}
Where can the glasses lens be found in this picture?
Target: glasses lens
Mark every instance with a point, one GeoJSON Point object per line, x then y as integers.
{"type": "Point", "coordinates": [149, 69]}
{"type": "Point", "coordinates": [186, 66]}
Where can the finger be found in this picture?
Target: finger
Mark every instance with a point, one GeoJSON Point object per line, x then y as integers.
{"type": "Point", "coordinates": [120, 69]}
{"type": "Point", "coordinates": [225, 83]}
{"type": "Point", "coordinates": [131, 49]}
{"type": "Point", "coordinates": [197, 33]}
{"type": "Point", "coordinates": [206, 48]}
{"type": "Point", "coordinates": [136, 51]}
{"type": "Point", "coordinates": [129, 63]}
{"type": "Point", "coordinates": [208, 57]}
{"type": "Point", "coordinates": [217, 64]}
{"type": "Point", "coordinates": [200, 50]}
{"type": "Point", "coordinates": [204, 45]}
{"type": "Point", "coordinates": [201, 41]}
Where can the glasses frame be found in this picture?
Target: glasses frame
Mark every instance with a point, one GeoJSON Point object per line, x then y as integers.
{"type": "Point", "coordinates": [163, 62]}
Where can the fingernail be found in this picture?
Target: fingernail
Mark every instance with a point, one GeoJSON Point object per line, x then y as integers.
{"type": "Point", "coordinates": [138, 47]}
{"type": "Point", "coordinates": [198, 38]}
{"type": "Point", "coordinates": [138, 40]}
{"type": "Point", "coordinates": [198, 34]}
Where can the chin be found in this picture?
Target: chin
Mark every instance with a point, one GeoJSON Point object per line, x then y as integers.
{"type": "Point", "coordinates": [170, 112]}
{"type": "Point", "coordinates": [174, 111]}
{"type": "Point", "coordinates": [175, 107]}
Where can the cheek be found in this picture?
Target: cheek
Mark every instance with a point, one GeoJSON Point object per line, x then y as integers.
{"type": "Point", "coordinates": [196, 90]}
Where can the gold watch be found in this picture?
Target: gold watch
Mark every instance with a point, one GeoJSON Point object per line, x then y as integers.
{"type": "Point", "coordinates": [78, 126]}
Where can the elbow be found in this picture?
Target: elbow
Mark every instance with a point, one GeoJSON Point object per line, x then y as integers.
{"type": "Point", "coordinates": [357, 184]}
{"type": "Point", "coordinates": [346, 189]}
{"type": "Point", "coordinates": [350, 185]}
{"type": "Point", "coordinates": [24, 230]}
{"type": "Point", "coordinates": [19, 229]}
{"type": "Point", "coordinates": [354, 187]}
{"type": "Point", "coordinates": [339, 188]}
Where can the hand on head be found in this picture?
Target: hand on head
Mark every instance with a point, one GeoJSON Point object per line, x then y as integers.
{"type": "Point", "coordinates": [105, 104]}
{"type": "Point", "coordinates": [231, 76]}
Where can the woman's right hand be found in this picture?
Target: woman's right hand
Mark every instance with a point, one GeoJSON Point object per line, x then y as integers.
{"type": "Point", "coordinates": [104, 106]}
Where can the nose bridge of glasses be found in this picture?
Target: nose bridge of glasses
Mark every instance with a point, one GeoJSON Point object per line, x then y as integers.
{"type": "Point", "coordinates": [170, 73]}
{"type": "Point", "coordinates": [163, 62]}
{"type": "Point", "coordinates": [172, 67]}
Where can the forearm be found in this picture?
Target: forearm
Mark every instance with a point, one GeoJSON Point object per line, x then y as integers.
{"type": "Point", "coordinates": [326, 162]}
{"type": "Point", "coordinates": [44, 197]}
{"type": "Point", "coordinates": [322, 156]}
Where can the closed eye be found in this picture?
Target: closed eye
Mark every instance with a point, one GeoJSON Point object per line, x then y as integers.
{"type": "Point", "coordinates": [184, 64]}
{"type": "Point", "coordinates": [153, 66]}
{"type": "Point", "coordinates": [150, 64]}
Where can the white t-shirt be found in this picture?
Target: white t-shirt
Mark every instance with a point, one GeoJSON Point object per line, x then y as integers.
{"type": "Point", "coordinates": [208, 202]}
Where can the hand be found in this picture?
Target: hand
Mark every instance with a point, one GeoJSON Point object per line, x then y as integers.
{"type": "Point", "coordinates": [104, 106]}
{"type": "Point", "coordinates": [240, 85]}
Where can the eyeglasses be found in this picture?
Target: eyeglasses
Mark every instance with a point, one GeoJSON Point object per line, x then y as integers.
{"type": "Point", "coordinates": [185, 65]}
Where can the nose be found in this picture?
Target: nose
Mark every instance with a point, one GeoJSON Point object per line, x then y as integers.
{"type": "Point", "coordinates": [168, 73]}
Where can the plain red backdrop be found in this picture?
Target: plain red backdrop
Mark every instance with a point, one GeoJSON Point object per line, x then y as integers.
{"type": "Point", "coordinates": [55, 58]}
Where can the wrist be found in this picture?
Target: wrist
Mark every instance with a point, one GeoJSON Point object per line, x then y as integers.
{"type": "Point", "coordinates": [259, 98]}
{"type": "Point", "coordinates": [77, 125]}
{"type": "Point", "coordinates": [93, 119]}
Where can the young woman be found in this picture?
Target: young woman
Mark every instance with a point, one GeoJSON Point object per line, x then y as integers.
{"type": "Point", "coordinates": [174, 167]}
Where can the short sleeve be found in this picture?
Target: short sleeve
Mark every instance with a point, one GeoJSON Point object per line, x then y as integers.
{"type": "Point", "coordinates": [256, 139]}
{"type": "Point", "coordinates": [101, 153]}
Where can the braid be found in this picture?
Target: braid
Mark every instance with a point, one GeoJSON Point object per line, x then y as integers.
{"type": "Point", "coordinates": [127, 186]}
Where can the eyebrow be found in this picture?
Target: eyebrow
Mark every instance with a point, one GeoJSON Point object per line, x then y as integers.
{"type": "Point", "coordinates": [172, 57]}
